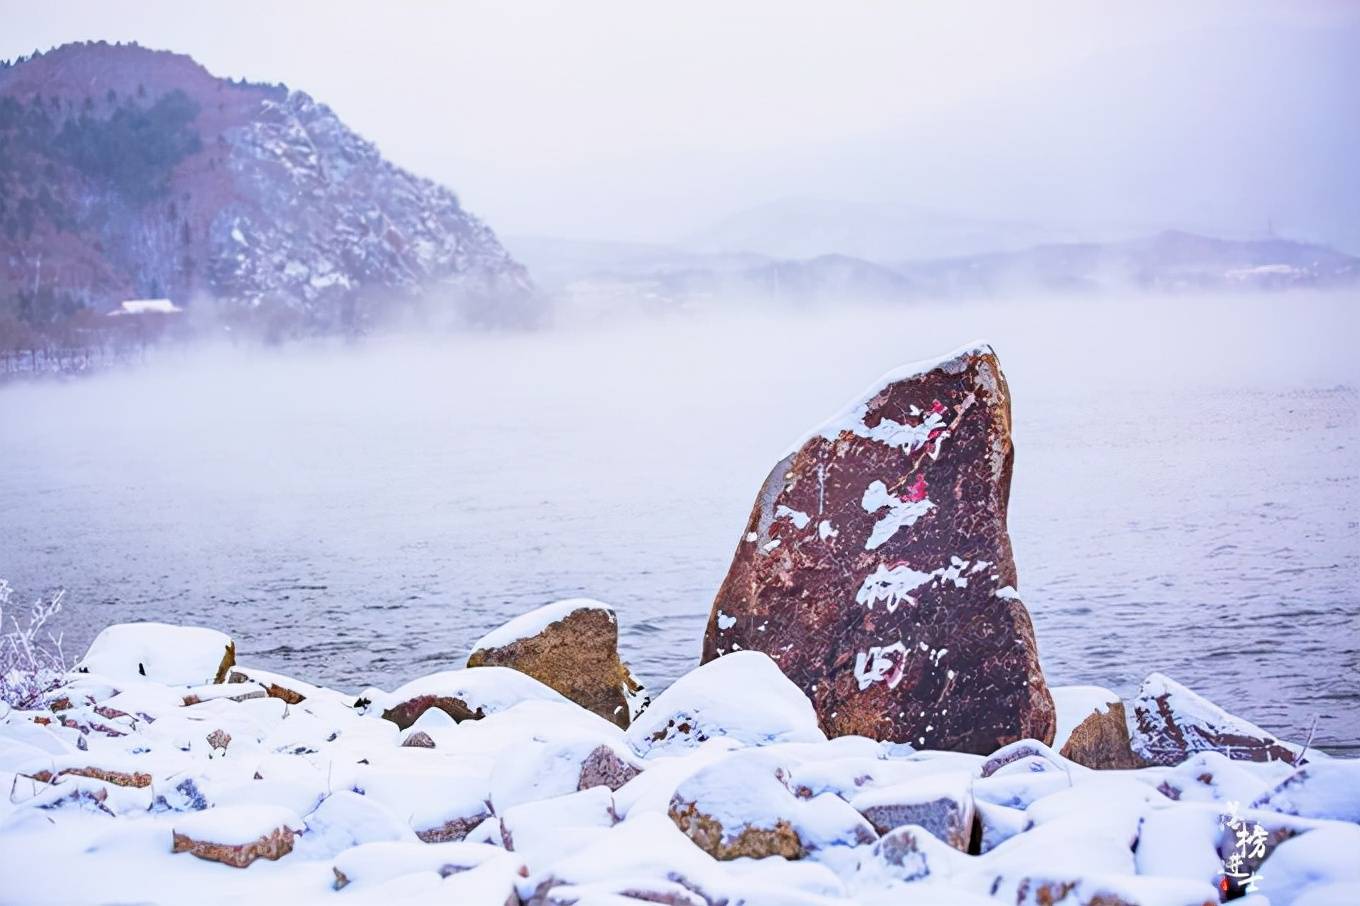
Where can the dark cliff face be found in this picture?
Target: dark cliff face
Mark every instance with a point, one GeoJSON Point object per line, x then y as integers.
{"type": "Point", "coordinates": [131, 173]}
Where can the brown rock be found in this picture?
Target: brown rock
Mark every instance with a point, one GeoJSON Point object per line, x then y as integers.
{"type": "Point", "coordinates": [752, 842]}
{"type": "Point", "coordinates": [228, 661]}
{"type": "Point", "coordinates": [231, 692]}
{"type": "Point", "coordinates": [466, 694]}
{"type": "Point", "coordinates": [876, 568]}
{"type": "Point", "coordinates": [571, 646]}
{"type": "Point", "coordinates": [1171, 723]}
{"type": "Point", "coordinates": [117, 778]}
{"type": "Point", "coordinates": [274, 845]}
{"type": "Point", "coordinates": [405, 713]}
{"type": "Point", "coordinates": [219, 739]}
{"type": "Point", "coordinates": [604, 767]}
{"type": "Point", "coordinates": [908, 855]}
{"type": "Point", "coordinates": [772, 819]}
{"type": "Point", "coordinates": [1101, 741]}
{"type": "Point", "coordinates": [272, 688]}
{"type": "Point", "coordinates": [453, 829]}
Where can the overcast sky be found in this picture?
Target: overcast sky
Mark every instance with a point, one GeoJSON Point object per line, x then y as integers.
{"type": "Point", "coordinates": [641, 121]}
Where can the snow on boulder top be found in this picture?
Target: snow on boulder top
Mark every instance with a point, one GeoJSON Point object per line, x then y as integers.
{"type": "Point", "coordinates": [742, 696]}
{"type": "Point", "coordinates": [235, 825]}
{"type": "Point", "coordinates": [1076, 703]}
{"type": "Point", "coordinates": [571, 646]}
{"type": "Point", "coordinates": [170, 655]}
{"type": "Point", "coordinates": [851, 417]}
{"type": "Point", "coordinates": [741, 805]}
{"type": "Point", "coordinates": [535, 621]}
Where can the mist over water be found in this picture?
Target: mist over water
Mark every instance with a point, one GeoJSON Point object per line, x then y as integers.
{"type": "Point", "coordinates": [1186, 493]}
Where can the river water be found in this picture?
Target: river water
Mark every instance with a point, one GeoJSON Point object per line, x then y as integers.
{"type": "Point", "coordinates": [1186, 494]}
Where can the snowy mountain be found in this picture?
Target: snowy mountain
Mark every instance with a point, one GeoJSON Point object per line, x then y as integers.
{"type": "Point", "coordinates": [132, 173]}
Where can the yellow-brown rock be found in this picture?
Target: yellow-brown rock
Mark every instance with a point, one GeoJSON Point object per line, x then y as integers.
{"type": "Point", "coordinates": [570, 646]}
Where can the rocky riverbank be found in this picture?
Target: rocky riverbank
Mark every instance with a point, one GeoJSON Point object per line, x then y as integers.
{"type": "Point", "coordinates": [163, 771]}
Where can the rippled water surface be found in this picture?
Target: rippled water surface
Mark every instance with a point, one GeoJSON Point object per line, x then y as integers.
{"type": "Point", "coordinates": [1186, 493]}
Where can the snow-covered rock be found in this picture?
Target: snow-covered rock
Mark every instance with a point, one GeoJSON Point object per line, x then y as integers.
{"type": "Point", "coordinates": [561, 764]}
{"type": "Point", "coordinates": [941, 804]}
{"type": "Point", "coordinates": [1180, 843]}
{"type": "Point", "coordinates": [909, 854]}
{"type": "Point", "coordinates": [277, 685]}
{"type": "Point", "coordinates": [573, 647]}
{"type": "Point", "coordinates": [170, 655]}
{"type": "Point", "coordinates": [468, 694]}
{"type": "Point", "coordinates": [346, 819]}
{"type": "Point", "coordinates": [1320, 863]}
{"type": "Point", "coordinates": [552, 826]}
{"type": "Point", "coordinates": [554, 805]}
{"type": "Point", "coordinates": [1093, 728]}
{"type": "Point", "coordinates": [1214, 777]}
{"type": "Point", "coordinates": [236, 836]}
{"type": "Point", "coordinates": [1171, 723]}
{"type": "Point", "coordinates": [442, 803]}
{"type": "Point", "coordinates": [648, 853]}
{"type": "Point", "coordinates": [1074, 704]}
{"type": "Point", "coordinates": [702, 705]}
{"type": "Point", "coordinates": [1326, 788]}
{"type": "Point", "coordinates": [373, 863]}
{"type": "Point", "coordinates": [741, 806]}
{"type": "Point", "coordinates": [998, 823]}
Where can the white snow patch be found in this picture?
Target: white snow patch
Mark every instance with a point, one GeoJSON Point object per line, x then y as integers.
{"type": "Point", "coordinates": [851, 417]}
{"type": "Point", "coordinates": [901, 513]}
{"type": "Point", "coordinates": [893, 585]}
{"type": "Point", "coordinates": [881, 664]}
{"type": "Point", "coordinates": [535, 621]}
{"type": "Point", "coordinates": [799, 518]}
{"type": "Point", "coordinates": [236, 825]}
{"type": "Point", "coordinates": [1076, 703]}
{"type": "Point", "coordinates": [768, 709]}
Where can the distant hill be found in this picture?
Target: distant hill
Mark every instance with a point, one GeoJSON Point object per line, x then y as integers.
{"type": "Point", "coordinates": [131, 173]}
{"type": "Point", "coordinates": [796, 228]}
{"type": "Point", "coordinates": [601, 277]}
{"type": "Point", "coordinates": [1170, 261]}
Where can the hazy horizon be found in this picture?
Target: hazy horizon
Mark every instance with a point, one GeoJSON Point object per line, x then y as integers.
{"type": "Point", "coordinates": [617, 122]}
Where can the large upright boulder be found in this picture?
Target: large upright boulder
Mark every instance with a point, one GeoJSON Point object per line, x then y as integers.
{"type": "Point", "coordinates": [876, 568]}
{"type": "Point", "coordinates": [571, 646]}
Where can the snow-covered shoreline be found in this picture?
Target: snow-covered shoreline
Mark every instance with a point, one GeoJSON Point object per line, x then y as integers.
{"type": "Point", "coordinates": [145, 780]}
